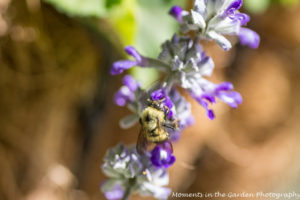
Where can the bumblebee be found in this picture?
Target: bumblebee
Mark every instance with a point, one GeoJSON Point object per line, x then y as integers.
{"type": "Point", "coordinates": [154, 124]}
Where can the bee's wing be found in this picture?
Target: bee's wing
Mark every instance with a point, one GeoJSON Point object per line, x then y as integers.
{"type": "Point", "coordinates": [171, 146]}
{"type": "Point", "coordinates": [142, 142]}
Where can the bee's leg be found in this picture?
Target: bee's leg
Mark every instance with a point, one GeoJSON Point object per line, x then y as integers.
{"type": "Point", "coordinates": [168, 125]}
{"type": "Point", "coordinates": [175, 123]}
{"type": "Point", "coordinates": [172, 125]}
{"type": "Point", "coordinates": [167, 110]}
{"type": "Point", "coordinates": [171, 146]}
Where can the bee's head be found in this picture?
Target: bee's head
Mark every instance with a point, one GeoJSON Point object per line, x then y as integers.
{"type": "Point", "coordinates": [156, 104]}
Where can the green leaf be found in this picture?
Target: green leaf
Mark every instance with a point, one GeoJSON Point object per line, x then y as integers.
{"type": "Point", "coordinates": [112, 3]}
{"type": "Point", "coordinates": [146, 76]}
{"type": "Point", "coordinates": [257, 6]}
{"type": "Point", "coordinates": [289, 2]}
{"type": "Point", "coordinates": [155, 25]}
{"type": "Point", "coordinates": [123, 19]}
{"type": "Point", "coordinates": [83, 8]}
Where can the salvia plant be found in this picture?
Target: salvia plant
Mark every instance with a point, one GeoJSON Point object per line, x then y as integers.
{"type": "Point", "coordinates": [184, 64]}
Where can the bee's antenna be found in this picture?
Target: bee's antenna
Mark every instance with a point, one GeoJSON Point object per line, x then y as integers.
{"type": "Point", "coordinates": [172, 125]}
{"type": "Point", "coordinates": [162, 99]}
{"type": "Point", "coordinates": [169, 126]}
{"type": "Point", "coordinates": [167, 110]}
{"type": "Point", "coordinates": [149, 102]}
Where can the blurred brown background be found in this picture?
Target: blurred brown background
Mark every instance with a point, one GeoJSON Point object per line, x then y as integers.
{"type": "Point", "coordinates": [57, 117]}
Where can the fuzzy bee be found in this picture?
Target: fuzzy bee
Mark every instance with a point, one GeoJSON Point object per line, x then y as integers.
{"type": "Point", "coordinates": [154, 123]}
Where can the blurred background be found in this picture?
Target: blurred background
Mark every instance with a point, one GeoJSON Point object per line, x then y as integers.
{"type": "Point", "coordinates": [57, 116]}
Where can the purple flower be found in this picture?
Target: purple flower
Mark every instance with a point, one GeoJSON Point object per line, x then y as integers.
{"type": "Point", "coordinates": [121, 163]}
{"type": "Point", "coordinates": [235, 5]}
{"type": "Point", "coordinates": [160, 94]}
{"type": "Point", "coordinates": [161, 155]}
{"type": "Point", "coordinates": [132, 84]}
{"type": "Point", "coordinates": [212, 91]}
{"type": "Point", "coordinates": [213, 19]}
{"type": "Point", "coordinates": [185, 59]}
{"type": "Point", "coordinates": [242, 18]}
{"type": "Point", "coordinates": [119, 66]}
{"type": "Point", "coordinates": [126, 168]}
{"type": "Point", "coordinates": [249, 38]}
{"type": "Point", "coordinates": [183, 110]}
{"type": "Point", "coordinates": [175, 135]}
{"type": "Point", "coordinates": [114, 193]}
{"type": "Point", "coordinates": [127, 92]}
{"type": "Point", "coordinates": [189, 65]}
{"type": "Point", "coordinates": [185, 65]}
{"type": "Point", "coordinates": [152, 182]}
{"type": "Point", "coordinates": [203, 102]}
{"type": "Point", "coordinates": [176, 12]}
{"type": "Point", "coordinates": [223, 92]}
{"type": "Point", "coordinates": [231, 98]}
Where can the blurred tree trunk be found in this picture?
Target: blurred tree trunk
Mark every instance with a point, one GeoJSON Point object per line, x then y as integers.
{"type": "Point", "coordinates": [54, 85]}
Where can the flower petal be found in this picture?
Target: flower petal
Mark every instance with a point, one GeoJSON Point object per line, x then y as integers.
{"type": "Point", "coordinates": [130, 50]}
{"type": "Point", "coordinates": [158, 95]}
{"type": "Point", "coordinates": [221, 40]}
{"type": "Point", "coordinates": [129, 81]}
{"type": "Point", "coordinates": [225, 86]}
{"type": "Point", "coordinates": [176, 12]}
{"type": "Point", "coordinates": [210, 114]}
{"type": "Point", "coordinates": [200, 7]}
{"type": "Point", "coordinates": [112, 189]}
{"type": "Point", "coordinates": [119, 66]}
{"type": "Point", "coordinates": [231, 98]}
{"type": "Point", "coordinates": [124, 95]}
{"type": "Point", "coordinates": [235, 5]}
{"type": "Point", "coordinates": [201, 100]}
{"type": "Point", "coordinates": [249, 38]}
{"type": "Point", "coordinates": [198, 19]}
{"type": "Point", "coordinates": [206, 66]}
{"type": "Point", "coordinates": [241, 17]}
{"type": "Point", "coordinates": [161, 155]}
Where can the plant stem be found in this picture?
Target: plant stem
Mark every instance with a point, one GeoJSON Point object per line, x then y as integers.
{"type": "Point", "coordinates": [126, 193]}
{"type": "Point", "coordinates": [131, 183]}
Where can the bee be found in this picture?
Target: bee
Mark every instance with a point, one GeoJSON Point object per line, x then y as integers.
{"type": "Point", "coordinates": [154, 123]}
